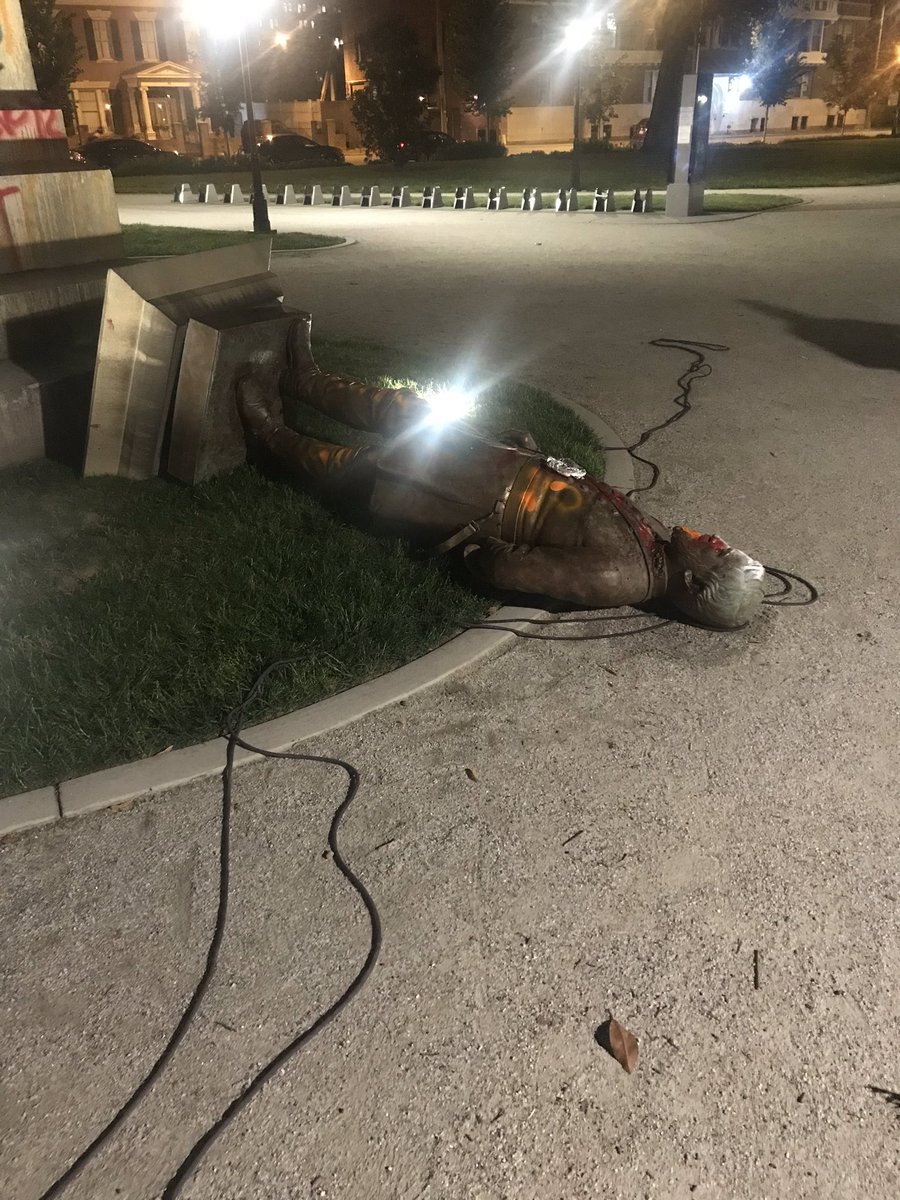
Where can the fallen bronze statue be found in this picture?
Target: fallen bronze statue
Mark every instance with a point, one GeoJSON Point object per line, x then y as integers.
{"type": "Point", "coordinates": [525, 522]}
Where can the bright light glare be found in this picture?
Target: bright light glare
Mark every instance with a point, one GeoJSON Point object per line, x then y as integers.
{"type": "Point", "coordinates": [222, 18]}
{"type": "Point", "coordinates": [741, 83]}
{"type": "Point", "coordinates": [579, 31]}
{"type": "Point", "coordinates": [448, 404]}
{"type": "Point", "coordinates": [281, 40]}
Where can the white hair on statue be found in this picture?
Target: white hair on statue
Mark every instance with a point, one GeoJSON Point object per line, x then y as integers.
{"type": "Point", "coordinates": [732, 592]}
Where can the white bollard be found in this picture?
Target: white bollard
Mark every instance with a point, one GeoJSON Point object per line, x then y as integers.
{"type": "Point", "coordinates": [432, 198]}
{"type": "Point", "coordinates": [610, 200]}
{"type": "Point", "coordinates": [637, 203]}
{"type": "Point", "coordinates": [233, 194]}
{"type": "Point", "coordinates": [341, 197]}
{"type": "Point", "coordinates": [497, 199]}
{"type": "Point", "coordinates": [208, 194]}
{"type": "Point", "coordinates": [313, 195]}
{"type": "Point", "coordinates": [400, 197]}
{"type": "Point", "coordinates": [371, 196]}
{"type": "Point", "coordinates": [648, 200]}
{"type": "Point", "coordinates": [286, 194]}
{"type": "Point", "coordinates": [572, 200]}
{"type": "Point", "coordinates": [182, 191]}
{"type": "Point", "coordinates": [465, 198]}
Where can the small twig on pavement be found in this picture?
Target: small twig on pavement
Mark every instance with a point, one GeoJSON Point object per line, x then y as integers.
{"type": "Point", "coordinates": [756, 969]}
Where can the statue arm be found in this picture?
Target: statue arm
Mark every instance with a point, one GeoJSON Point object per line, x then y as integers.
{"type": "Point", "coordinates": [577, 575]}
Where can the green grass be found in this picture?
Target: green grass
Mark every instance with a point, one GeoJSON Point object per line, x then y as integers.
{"type": "Point", "coordinates": [137, 614]}
{"type": "Point", "coordinates": [146, 240]}
{"type": "Point", "coordinates": [784, 164]}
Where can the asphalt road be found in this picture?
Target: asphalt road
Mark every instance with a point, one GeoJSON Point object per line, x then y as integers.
{"type": "Point", "coordinates": [652, 817]}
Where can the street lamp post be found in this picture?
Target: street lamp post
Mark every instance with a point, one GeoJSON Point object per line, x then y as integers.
{"type": "Point", "coordinates": [576, 39]}
{"type": "Point", "coordinates": [576, 130]}
{"type": "Point", "coordinates": [258, 201]}
{"type": "Point", "coordinates": [230, 18]}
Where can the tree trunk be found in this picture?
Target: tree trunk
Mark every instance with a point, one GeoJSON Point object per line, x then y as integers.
{"type": "Point", "coordinates": [766, 130]}
{"type": "Point", "coordinates": [678, 32]}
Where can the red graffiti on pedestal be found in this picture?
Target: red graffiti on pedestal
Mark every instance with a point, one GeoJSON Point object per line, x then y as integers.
{"type": "Point", "coordinates": [40, 124]}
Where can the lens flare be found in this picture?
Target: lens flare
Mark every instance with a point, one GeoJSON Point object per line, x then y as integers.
{"type": "Point", "coordinates": [448, 403]}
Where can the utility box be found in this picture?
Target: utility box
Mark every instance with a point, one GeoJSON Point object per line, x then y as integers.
{"type": "Point", "coordinates": [687, 173]}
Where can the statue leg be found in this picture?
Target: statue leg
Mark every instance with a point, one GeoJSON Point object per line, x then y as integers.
{"type": "Point", "coordinates": [388, 411]}
{"type": "Point", "coordinates": [344, 472]}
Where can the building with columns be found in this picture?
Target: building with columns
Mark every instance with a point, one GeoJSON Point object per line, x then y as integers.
{"type": "Point", "coordinates": [137, 74]}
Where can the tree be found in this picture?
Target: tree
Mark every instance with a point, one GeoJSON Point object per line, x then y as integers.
{"type": "Point", "coordinates": [776, 67]}
{"type": "Point", "coordinates": [398, 79]}
{"type": "Point", "coordinates": [221, 87]}
{"type": "Point", "coordinates": [603, 92]}
{"type": "Point", "coordinates": [54, 53]}
{"type": "Point", "coordinates": [853, 81]}
{"type": "Point", "coordinates": [482, 44]}
{"type": "Point", "coordinates": [679, 31]}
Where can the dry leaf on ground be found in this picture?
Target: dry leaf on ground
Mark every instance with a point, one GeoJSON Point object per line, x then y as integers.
{"type": "Point", "coordinates": [619, 1042]}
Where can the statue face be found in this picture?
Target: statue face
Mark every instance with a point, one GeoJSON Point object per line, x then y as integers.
{"type": "Point", "coordinates": [710, 581]}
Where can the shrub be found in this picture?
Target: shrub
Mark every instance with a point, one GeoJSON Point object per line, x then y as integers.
{"type": "Point", "coordinates": [454, 151]}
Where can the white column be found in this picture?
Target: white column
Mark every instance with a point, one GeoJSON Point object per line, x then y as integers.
{"type": "Point", "coordinates": [149, 131]}
{"type": "Point", "coordinates": [102, 101]}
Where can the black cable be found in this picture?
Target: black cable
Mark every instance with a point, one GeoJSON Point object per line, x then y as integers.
{"type": "Point", "coordinates": [787, 580]}
{"type": "Point", "coordinates": [231, 729]}
{"type": "Point", "coordinates": [699, 368]}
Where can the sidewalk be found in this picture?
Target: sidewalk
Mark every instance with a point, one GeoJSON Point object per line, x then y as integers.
{"type": "Point", "coordinates": [649, 815]}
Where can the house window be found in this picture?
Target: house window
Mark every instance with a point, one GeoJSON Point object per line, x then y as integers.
{"type": "Point", "coordinates": [101, 36]}
{"type": "Point", "coordinates": [103, 39]}
{"type": "Point", "coordinates": [148, 40]}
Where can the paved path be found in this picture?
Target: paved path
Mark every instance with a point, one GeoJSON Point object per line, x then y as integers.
{"type": "Point", "coordinates": [730, 793]}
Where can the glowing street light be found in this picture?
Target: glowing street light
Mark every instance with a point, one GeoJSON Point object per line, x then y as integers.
{"type": "Point", "coordinates": [225, 19]}
{"type": "Point", "coordinates": [577, 36]}
{"type": "Point", "coordinates": [580, 30]}
{"type": "Point", "coordinates": [281, 41]}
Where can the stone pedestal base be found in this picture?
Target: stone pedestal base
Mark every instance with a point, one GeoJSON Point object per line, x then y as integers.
{"type": "Point", "coordinates": [207, 437]}
{"type": "Point", "coordinates": [684, 200]}
{"type": "Point", "coordinates": [21, 426]}
{"type": "Point", "coordinates": [57, 219]}
{"type": "Point", "coordinates": [49, 329]}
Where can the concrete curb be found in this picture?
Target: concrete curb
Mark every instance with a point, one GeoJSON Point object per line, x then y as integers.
{"type": "Point", "coordinates": [305, 250]}
{"type": "Point", "coordinates": [116, 785]}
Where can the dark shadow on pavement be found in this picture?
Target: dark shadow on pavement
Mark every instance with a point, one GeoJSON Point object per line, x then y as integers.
{"type": "Point", "coordinates": [889, 1097]}
{"type": "Point", "coordinates": [866, 343]}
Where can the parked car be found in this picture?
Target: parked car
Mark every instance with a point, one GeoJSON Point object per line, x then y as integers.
{"type": "Point", "coordinates": [638, 133]}
{"type": "Point", "coordinates": [422, 145]}
{"type": "Point", "coordinates": [113, 151]}
{"type": "Point", "coordinates": [281, 148]}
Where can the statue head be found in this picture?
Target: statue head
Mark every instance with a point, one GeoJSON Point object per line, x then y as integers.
{"type": "Point", "coordinates": [712, 582]}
